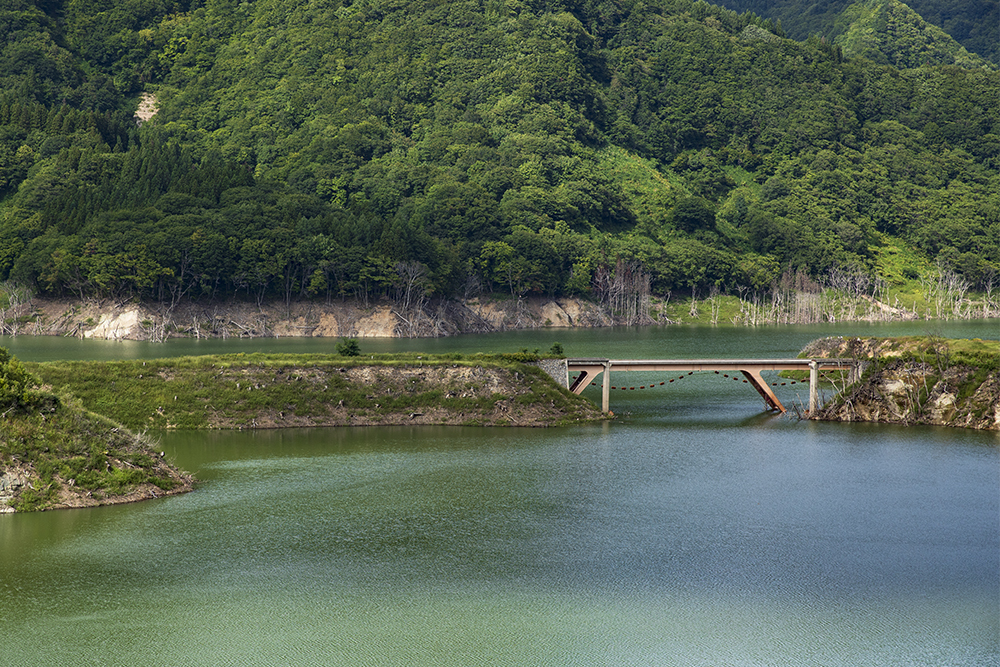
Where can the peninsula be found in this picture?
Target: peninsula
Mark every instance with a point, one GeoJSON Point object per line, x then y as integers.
{"type": "Point", "coordinates": [55, 453]}
{"type": "Point", "coordinates": [79, 446]}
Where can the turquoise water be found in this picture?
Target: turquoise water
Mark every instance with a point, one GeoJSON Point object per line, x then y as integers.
{"type": "Point", "coordinates": [696, 530]}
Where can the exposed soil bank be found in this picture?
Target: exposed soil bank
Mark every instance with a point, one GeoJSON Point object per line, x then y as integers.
{"type": "Point", "coordinates": [354, 319]}
{"type": "Point", "coordinates": [238, 319]}
{"type": "Point", "coordinates": [16, 480]}
{"type": "Point", "coordinates": [917, 380]}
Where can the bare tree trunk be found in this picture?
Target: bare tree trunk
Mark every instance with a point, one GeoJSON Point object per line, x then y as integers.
{"type": "Point", "coordinates": [624, 292]}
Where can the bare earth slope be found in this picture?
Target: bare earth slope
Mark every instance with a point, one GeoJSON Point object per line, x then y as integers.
{"type": "Point", "coordinates": [235, 319]}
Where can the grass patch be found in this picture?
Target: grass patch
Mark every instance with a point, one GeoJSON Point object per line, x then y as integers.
{"type": "Point", "coordinates": [720, 309]}
{"type": "Point", "coordinates": [644, 186]}
{"type": "Point", "coordinates": [944, 352]}
{"type": "Point", "coordinates": [903, 266]}
{"type": "Point", "coordinates": [272, 390]}
{"type": "Point", "coordinates": [69, 447]}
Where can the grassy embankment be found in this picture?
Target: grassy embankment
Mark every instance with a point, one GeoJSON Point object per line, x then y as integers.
{"type": "Point", "coordinates": [924, 349]}
{"type": "Point", "coordinates": [54, 452]}
{"type": "Point", "coordinates": [282, 390]}
{"type": "Point", "coordinates": [974, 352]}
{"type": "Point", "coordinates": [71, 457]}
{"type": "Point", "coordinates": [67, 443]}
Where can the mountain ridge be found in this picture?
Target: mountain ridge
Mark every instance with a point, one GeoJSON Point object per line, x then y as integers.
{"type": "Point", "coordinates": [415, 150]}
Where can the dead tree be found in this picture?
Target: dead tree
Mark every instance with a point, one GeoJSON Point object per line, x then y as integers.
{"type": "Point", "coordinates": [624, 291]}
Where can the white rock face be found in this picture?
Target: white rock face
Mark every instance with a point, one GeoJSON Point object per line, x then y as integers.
{"type": "Point", "coordinates": [147, 108]}
{"type": "Point", "coordinates": [896, 388]}
{"type": "Point", "coordinates": [942, 405]}
{"type": "Point", "coordinates": [116, 328]}
{"type": "Point", "coordinates": [380, 324]}
{"type": "Point", "coordinates": [554, 315]}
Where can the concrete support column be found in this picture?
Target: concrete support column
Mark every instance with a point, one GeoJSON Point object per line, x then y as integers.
{"type": "Point", "coordinates": [813, 387]}
{"type": "Point", "coordinates": [606, 388]}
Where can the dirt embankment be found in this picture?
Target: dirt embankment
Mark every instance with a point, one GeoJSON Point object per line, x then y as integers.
{"type": "Point", "coordinates": [16, 480]}
{"type": "Point", "coordinates": [916, 380]}
{"type": "Point", "coordinates": [393, 395]}
{"type": "Point", "coordinates": [236, 319]}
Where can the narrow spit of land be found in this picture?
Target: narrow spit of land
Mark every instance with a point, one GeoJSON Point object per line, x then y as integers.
{"type": "Point", "coordinates": [56, 453]}
{"type": "Point", "coordinates": [78, 445]}
{"type": "Point", "coordinates": [280, 390]}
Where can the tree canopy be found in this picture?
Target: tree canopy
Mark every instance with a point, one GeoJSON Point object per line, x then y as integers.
{"type": "Point", "coordinates": [331, 149]}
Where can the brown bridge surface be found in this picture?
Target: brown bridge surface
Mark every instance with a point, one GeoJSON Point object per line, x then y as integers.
{"type": "Point", "coordinates": [589, 369]}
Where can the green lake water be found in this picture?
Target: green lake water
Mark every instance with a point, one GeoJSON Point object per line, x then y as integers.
{"type": "Point", "coordinates": [694, 530]}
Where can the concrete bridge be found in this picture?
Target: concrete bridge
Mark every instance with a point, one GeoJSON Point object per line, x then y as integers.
{"type": "Point", "coordinates": [589, 369]}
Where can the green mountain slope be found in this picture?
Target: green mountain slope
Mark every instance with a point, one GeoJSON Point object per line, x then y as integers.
{"type": "Point", "coordinates": [310, 149]}
{"type": "Point", "coordinates": [973, 24]}
{"type": "Point", "coordinates": [889, 31]}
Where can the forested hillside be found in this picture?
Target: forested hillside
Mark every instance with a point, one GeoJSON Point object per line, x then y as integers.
{"type": "Point", "coordinates": [334, 149]}
{"type": "Point", "coordinates": [974, 24]}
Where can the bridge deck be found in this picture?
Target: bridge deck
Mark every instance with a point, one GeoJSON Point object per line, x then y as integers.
{"type": "Point", "coordinates": [709, 364]}
{"type": "Point", "coordinates": [590, 368]}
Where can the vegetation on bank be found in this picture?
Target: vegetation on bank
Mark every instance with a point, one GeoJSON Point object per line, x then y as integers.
{"type": "Point", "coordinates": [926, 348]}
{"type": "Point", "coordinates": [279, 390]}
{"type": "Point", "coordinates": [917, 380]}
{"type": "Point", "coordinates": [420, 150]}
{"type": "Point", "coordinates": [56, 453]}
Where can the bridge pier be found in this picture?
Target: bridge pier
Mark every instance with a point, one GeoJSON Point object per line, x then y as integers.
{"type": "Point", "coordinates": [764, 389]}
{"type": "Point", "coordinates": [813, 386]}
{"type": "Point", "coordinates": [606, 388]}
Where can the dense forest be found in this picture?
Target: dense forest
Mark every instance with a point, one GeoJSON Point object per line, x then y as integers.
{"type": "Point", "coordinates": [973, 24]}
{"type": "Point", "coordinates": [332, 149]}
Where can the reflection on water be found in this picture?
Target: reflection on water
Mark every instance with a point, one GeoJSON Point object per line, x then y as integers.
{"type": "Point", "coordinates": [694, 531]}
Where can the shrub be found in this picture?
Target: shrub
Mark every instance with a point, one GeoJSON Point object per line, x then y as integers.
{"type": "Point", "coordinates": [348, 347]}
{"type": "Point", "coordinates": [18, 387]}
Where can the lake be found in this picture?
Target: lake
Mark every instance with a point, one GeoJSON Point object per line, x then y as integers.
{"type": "Point", "coordinates": [694, 530]}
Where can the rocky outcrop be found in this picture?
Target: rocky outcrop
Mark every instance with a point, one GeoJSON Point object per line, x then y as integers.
{"type": "Point", "coordinates": [914, 381]}
{"type": "Point", "coordinates": [11, 483]}
{"type": "Point", "coordinates": [908, 392]}
{"type": "Point", "coordinates": [148, 106]}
